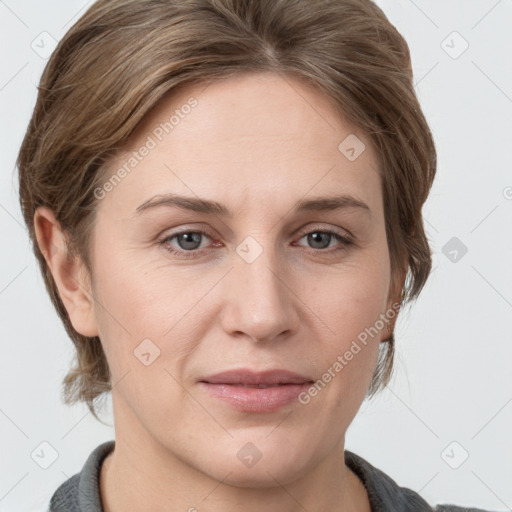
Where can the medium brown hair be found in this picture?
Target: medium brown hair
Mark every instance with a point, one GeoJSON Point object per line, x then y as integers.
{"type": "Point", "coordinates": [122, 56]}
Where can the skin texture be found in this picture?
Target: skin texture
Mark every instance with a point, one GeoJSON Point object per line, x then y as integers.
{"type": "Point", "coordinates": [257, 143]}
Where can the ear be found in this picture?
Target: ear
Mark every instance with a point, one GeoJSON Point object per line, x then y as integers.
{"type": "Point", "coordinates": [393, 305]}
{"type": "Point", "coordinates": [69, 273]}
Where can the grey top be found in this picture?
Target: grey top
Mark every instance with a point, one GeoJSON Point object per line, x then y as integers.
{"type": "Point", "coordinates": [81, 492]}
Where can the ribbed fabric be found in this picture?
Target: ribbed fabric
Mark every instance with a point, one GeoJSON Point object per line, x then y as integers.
{"type": "Point", "coordinates": [81, 492]}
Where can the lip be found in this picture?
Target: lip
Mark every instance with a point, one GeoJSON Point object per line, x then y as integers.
{"type": "Point", "coordinates": [250, 391]}
{"type": "Point", "coordinates": [249, 377]}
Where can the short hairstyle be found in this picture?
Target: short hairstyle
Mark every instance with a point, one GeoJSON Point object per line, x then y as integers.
{"type": "Point", "coordinates": [122, 56]}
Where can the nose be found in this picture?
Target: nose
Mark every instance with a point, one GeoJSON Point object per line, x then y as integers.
{"type": "Point", "coordinates": [258, 299]}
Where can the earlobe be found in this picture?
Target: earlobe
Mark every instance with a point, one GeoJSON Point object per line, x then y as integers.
{"type": "Point", "coordinates": [69, 273]}
{"type": "Point", "coordinates": [393, 308]}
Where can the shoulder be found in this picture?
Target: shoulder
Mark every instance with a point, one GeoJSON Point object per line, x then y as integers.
{"type": "Point", "coordinates": [41, 508]}
{"type": "Point", "coordinates": [385, 494]}
{"type": "Point", "coordinates": [81, 491]}
{"type": "Point", "coordinates": [456, 508]}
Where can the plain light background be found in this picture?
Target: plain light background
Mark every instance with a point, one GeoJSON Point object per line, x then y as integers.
{"type": "Point", "coordinates": [451, 397]}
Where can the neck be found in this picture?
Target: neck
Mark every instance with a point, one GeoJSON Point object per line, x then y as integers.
{"type": "Point", "coordinates": [138, 480]}
{"type": "Point", "coordinates": [142, 474]}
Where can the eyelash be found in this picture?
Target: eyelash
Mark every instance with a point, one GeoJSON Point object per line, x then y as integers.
{"type": "Point", "coordinates": [346, 242]}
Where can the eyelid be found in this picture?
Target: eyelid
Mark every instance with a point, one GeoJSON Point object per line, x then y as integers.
{"type": "Point", "coordinates": [301, 232]}
{"type": "Point", "coordinates": [345, 241]}
{"type": "Point", "coordinates": [187, 229]}
{"type": "Point", "coordinates": [322, 227]}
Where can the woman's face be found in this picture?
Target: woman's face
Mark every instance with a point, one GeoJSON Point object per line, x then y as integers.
{"type": "Point", "coordinates": [256, 283]}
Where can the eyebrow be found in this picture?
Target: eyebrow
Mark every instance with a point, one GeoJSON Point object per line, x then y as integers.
{"type": "Point", "coordinates": [316, 204]}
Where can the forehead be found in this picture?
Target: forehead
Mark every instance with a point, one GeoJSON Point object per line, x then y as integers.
{"type": "Point", "coordinates": [250, 107]}
{"type": "Point", "coordinates": [253, 133]}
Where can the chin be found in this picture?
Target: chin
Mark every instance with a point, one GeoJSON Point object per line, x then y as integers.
{"type": "Point", "coordinates": [259, 464]}
{"type": "Point", "coordinates": [262, 475]}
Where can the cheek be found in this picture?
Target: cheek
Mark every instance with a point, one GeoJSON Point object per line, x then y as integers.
{"type": "Point", "coordinates": [142, 307]}
{"type": "Point", "coordinates": [146, 306]}
{"type": "Point", "coordinates": [350, 305]}
{"type": "Point", "coordinates": [144, 337]}
{"type": "Point", "coordinates": [349, 298]}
